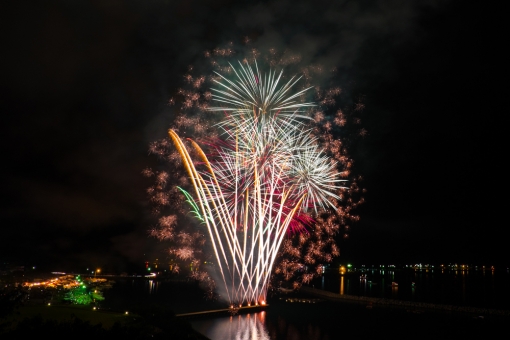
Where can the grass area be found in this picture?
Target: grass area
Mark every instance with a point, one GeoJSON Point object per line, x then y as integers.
{"type": "Point", "coordinates": [68, 312]}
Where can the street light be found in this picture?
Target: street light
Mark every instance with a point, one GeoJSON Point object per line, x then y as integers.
{"type": "Point", "coordinates": [97, 271]}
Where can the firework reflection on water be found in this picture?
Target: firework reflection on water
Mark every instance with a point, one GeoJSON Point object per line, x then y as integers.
{"type": "Point", "coordinates": [237, 327]}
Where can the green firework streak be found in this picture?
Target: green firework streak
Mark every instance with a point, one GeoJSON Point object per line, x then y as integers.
{"type": "Point", "coordinates": [194, 207]}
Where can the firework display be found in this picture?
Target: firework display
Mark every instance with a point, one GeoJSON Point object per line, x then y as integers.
{"type": "Point", "coordinates": [266, 181]}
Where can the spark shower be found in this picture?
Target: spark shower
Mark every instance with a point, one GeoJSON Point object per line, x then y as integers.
{"type": "Point", "coordinates": [265, 172]}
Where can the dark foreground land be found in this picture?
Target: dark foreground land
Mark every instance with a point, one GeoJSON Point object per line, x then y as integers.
{"type": "Point", "coordinates": [62, 321]}
{"type": "Point", "coordinates": [307, 314]}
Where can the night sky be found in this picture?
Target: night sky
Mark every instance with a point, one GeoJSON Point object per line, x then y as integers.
{"type": "Point", "coordinates": [85, 86]}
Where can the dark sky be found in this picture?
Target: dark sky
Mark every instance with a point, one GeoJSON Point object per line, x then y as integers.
{"type": "Point", "coordinates": [85, 86]}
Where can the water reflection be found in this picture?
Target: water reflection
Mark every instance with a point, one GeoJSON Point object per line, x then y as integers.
{"type": "Point", "coordinates": [238, 327]}
{"type": "Point", "coordinates": [363, 284]}
{"type": "Point", "coordinates": [394, 291]}
{"type": "Point", "coordinates": [261, 326]}
{"type": "Point", "coordinates": [468, 287]}
{"type": "Point", "coordinates": [152, 286]}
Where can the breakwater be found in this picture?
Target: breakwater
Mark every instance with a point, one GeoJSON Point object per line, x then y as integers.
{"type": "Point", "coordinates": [411, 305]}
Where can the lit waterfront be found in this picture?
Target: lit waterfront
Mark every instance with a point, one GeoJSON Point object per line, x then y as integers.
{"type": "Point", "coordinates": [469, 287]}
{"type": "Point", "coordinates": [462, 285]}
{"type": "Point", "coordinates": [301, 315]}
